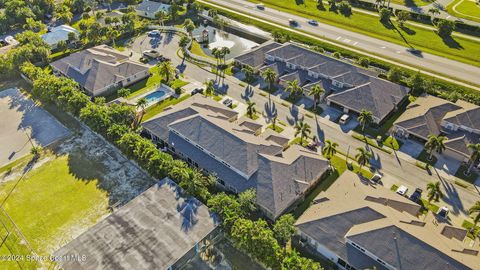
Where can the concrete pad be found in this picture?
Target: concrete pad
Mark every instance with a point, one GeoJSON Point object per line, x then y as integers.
{"type": "Point", "coordinates": [22, 119]}
{"type": "Point", "coordinates": [411, 148]}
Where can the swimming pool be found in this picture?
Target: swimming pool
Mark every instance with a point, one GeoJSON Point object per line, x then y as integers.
{"type": "Point", "coordinates": [155, 96]}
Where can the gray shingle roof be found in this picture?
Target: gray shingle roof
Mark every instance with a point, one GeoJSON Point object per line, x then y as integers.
{"type": "Point", "coordinates": [404, 251]}
{"type": "Point", "coordinates": [98, 67]}
{"type": "Point", "coordinates": [150, 6]}
{"type": "Point", "coordinates": [256, 57]}
{"type": "Point", "coordinates": [152, 231]}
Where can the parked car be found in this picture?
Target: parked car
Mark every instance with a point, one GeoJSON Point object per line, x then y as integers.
{"type": "Point", "coordinates": [313, 22]}
{"type": "Point", "coordinates": [228, 102]}
{"type": "Point", "coordinates": [162, 58]}
{"type": "Point", "coordinates": [376, 178]}
{"type": "Point", "coordinates": [151, 53]}
{"type": "Point", "coordinates": [292, 22]}
{"type": "Point", "coordinates": [416, 195]}
{"type": "Point", "coordinates": [197, 90]}
{"type": "Point", "coordinates": [344, 119]}
{"type": "Point", "coordinates": [402, 190]}
{"type": "Point", "coordinates": [153, 33]}
{"type": "Point", "coordinates": [443, 212]}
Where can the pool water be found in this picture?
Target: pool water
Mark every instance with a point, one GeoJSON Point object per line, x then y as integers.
{"type": "Point", "coordinates": [155, 96]}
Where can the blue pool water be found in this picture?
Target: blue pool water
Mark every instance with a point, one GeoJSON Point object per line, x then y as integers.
{"type": "Point", "coordinates": [155, 96]}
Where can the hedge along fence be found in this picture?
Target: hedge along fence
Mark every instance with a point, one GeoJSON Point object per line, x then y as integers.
{"type": "Point", "coordinates": [438, 87]}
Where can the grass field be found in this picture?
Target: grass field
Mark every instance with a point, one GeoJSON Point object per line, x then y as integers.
{"type": "Point", "coordinates": [411, 3]}
{"type": "Point", "coordinates": [466, 9]}
{"type": "Point", "coordinates": [456, 48]}
{"type": "Point", "coordinates": [50, 203]}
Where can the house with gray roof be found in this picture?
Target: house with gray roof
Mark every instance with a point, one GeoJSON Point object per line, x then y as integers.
{"type": "Point", "coordinates": [210, 136]}
{"type": "Point", "coordinates": [347, 87]}
{"type": "Point", "coordinates": [359, 226]}
{"type": "Point", "coordinates": [149, 8]}
{"type": "Point", "coordinates": [159, 229]}
{"type": "Point", "coordinates": [101, 69]}
{"type": "Point", "coordinates": [458, 121]}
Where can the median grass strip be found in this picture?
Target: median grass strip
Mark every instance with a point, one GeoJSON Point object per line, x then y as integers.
{"type": "Point", "coordinates": [370, 142]}
{"type": "Point", "coordinates": [428, 206]}
{"type": "Point", "coordinates": [471, 233]}
{"type": "Point", "coordinates": [461, 173]}
{"type": "Point", "coordinates": [276, 128]}
{"type": "Point", "coordinates": [456, 48]}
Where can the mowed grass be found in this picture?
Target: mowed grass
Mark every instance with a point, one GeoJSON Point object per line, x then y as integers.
{"type": "Point", "coordinates": [56, 201]}
{"type": "Point", "coordinates": [456, 48]}
{"type": "Point", "coordinates": [467, 9]}
{"type": "Point", "coordinates": [411, 3]}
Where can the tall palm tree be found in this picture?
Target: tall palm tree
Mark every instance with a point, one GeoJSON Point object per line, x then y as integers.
{"type": "Point", "coordinates": [189, 26]}
{"type": "Point", "coordinates": [316, 91]}
{"type": "Point", "coordinates": [270, 77]}
{"type": "Point", "coordinates": [248, 71]}
{"type": "Point", "coordinates": [251, 110]}
{"type": "Point", "coordinates": [474, 156]}
{"type": "Point", "coordinates": [434, 192]}
{"type": "Point", "coordinates": [225, 51]}
{"type": "Point", "coordinates": [475, 210]}
{"type": "Point", "coordinates": [140, 105]}
{"type": "Point", "coordinates": [330, 149]}
{"type": "Point", "coordinates": [183, 43]}
{"type": "Point", "coordinates": [209, 87]}
{"type": "Point", "coordinates": [303, 129]}
{"type": "Point", "coordinates": [294, 88]}
{"type": "Point", "coordinates": [363, 157]}
{"type": "Point", "coordinates": [274, 122]}
{"type": "Point", "coordinates": [433, 11]}
{"type": "Point", "coordinates": [216, 53]}
{"type": "Point", "coordinates": [435, 143]}
{"type": "Point", "coordinates": [166, 70]}
{"type": "Point", "coordinates": [365, 118]}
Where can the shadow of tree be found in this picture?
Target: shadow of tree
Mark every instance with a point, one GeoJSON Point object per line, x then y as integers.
{"type": "Point", "coordinates": [451, 42]}
{"type": "Point", "coordinates": [407, 30]}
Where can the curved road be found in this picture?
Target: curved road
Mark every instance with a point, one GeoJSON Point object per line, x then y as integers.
{"type": "Point", "coordinates": [362, 43]}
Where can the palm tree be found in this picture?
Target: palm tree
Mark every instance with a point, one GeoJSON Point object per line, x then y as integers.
{"type": "Point", "coordinates": [435, 143]}
{"type": "Point", "coordinates": [274, 122]}
{"type": "Point", "coordinates": [248, 71]}
{"type": "Point", "coordinates": [166, 70]}
{"type": "Point", "coordinates": [161, 15]}
{"type": "Point", "coordinates": [270, 77]}
{"type": "Point", "coordinates": [225, 51]}
{"type": "Point", "coordinates": [141, 105]}
{"type": "Point", "coordinates": [183, 43]}
{"type": "Point", "coordinates": [475, 210]}
{"type": "Point", "coordinates": [303, 129]}
{"type": "Point", "coordinates": [189, 26]}
{"type": "Point", "coordinates": [474, 156]}
{"type": "Point", "coordinates": [329, 150]}
{"type": "Point", "coordinates": [434, 192]}
{"type": "Point", "coordinates": [365, 118]}
{"type": "Point", "coordinates": [433, 11]}
{"type": "Point", "coordinates": [251, 111]}
{"type": "Point", "coordinates": [316, 91]}
{"type": "Point", "coordinates": [294, 88]}
{"type": "Point", "coordinates": [363, 157]}
{"type": "Point", "coordinates": [209, 87]}
{"type": "Point", "coordinates": [216, 53]}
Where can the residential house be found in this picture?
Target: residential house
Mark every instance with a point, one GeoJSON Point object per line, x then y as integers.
{"type": "Point", "coordinates": [159, 229]}
{"type": "Point", "coordinates": [59, 33]}
{"type": "Point", "coordinates": [101, 69]}
{"type": "Point", "coordinates": [459, 122]}
{"type": "Point", "coordinates": [348, 87]}
{"type": "Point", "coordinates": [358, 226]}
{"type": "Point", "coordinates": [210, 136]}
{"type": "Point", "coordinates": [149, 8]}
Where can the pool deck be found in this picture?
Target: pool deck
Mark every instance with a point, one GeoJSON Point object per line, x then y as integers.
{"type": "Point", "coordinates": [165, 88]}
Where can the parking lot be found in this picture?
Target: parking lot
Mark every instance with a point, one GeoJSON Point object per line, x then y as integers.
{"type": "Point", "coordinates": [24, 124]}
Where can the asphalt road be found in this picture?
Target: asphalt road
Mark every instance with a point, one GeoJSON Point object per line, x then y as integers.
{"type": "Point", "coordinates": [356, 41]}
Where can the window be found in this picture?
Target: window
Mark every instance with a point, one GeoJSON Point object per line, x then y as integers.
{"type": "Point", "coordinates": [341, 262]}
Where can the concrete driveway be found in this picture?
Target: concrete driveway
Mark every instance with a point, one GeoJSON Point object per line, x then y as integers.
{"type": "Point", "coordinates": [411, 148]}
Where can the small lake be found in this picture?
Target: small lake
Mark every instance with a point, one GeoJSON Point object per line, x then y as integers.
{"type": "Point", "coordinates": [218, 39]}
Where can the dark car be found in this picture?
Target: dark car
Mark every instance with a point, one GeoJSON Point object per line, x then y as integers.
{"type": "Point", "coordinates": [196, 91]}
{"type": "Point", "coordinates": [228, 102]}
{"type": "Point", "coordinates": [414, 51]}
{"type": "Point", "coordinates": [415, 197]}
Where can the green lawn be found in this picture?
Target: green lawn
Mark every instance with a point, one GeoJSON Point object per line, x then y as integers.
{"type": "Point", "coordinates": [53, 202]}
{"type": "Point", "coordinates": [159, 107]}
{"type": "Point", "coordinates": [429, 206]}
{"type": "Point", "coordinates": [423, 157]}
{"type": "Point", "coordinates": [197, 50]}
{"type": "Point", "coordinates": [145, 85]}
{"type": "Point", "coordinates": [456, 48]}
{"type": "Point", "coordinates": [394, 144]}
{"type": "Point", "coordinates": [276, 128]}
{"type": "Point", "coordinates": [411, 3]}
{"type": "Point", "coordinates": [177, 83]}
{"type": "Point", "coordinates": [467, 9]}
{"type": "Point", "coordinates": [461, 174]}
{"type": "Point", "coordinates": [468, 225]}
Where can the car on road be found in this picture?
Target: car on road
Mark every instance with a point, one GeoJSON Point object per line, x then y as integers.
{"type": "Point", "coordinates": [292, 22]}
{"type": "Point", "coordinates": [344, 119]}
{"type": "Point", "coordinates": [376, 178]}
{"type": "Point", "coordinates": [228, 102]}
{"type": "Point", "coordinates": [414, 51]}
{"type": "Point", "coordinates": [260, 6]}
{"type": "Point", "coordinates": [416, 195]}
{"type": "Point", "coordinates": [151, 53]}
{"type": "Point", "coordinates": [153, 33]}
{"type": "Point", "coordinates": [313, 22]}
{"type": "Point", "coordinates": [402, 190]}
{"type": "Point", "coordinates": [443, 212]}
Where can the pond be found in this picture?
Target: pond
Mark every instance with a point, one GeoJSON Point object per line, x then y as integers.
{"type": "Point", "coordinates": [218, 38]}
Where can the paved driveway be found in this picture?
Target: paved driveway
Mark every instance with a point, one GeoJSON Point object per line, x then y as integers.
{"type": "Point", "coordinates": [20, 120]}
{"type": "Point", "coordinates": [411, 148]}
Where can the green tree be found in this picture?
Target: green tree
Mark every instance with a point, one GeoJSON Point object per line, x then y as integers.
{"type": "Point", "coordinates": [284, 228]}
{"type": "Point", "coordinates": [363, 62]}
{"type": "Point", "coordinates": [62, 46]}
{"type": "Point", "coordinates": [329, 150]}
{"type": "Point", "coordinates": [416, 83]}
{"type": "Point", "coordinates": [63, 13]}
{"type": "Point", "coordinates": [209, 87]}
{"type": "Point", "coordinates": [363, 157]}
{"type": "Point", "coordinates": [247, 201]}
{"type": "Point", "coordinates": [196, 184]}
{"type": "Point", "coordinates": [166, 70]}
{"type": "Point", "coordinates": [445, 28]}
{"type": "Point", "coordinates": [474, 156]}
{"type": "Point", "coordinates": [161, 16]}
{"type": "Point", "coordinates": [189, 26]}
{"type": "Point", "coordinates": [294, 88]}
{"type": "Point", "coordinates": [434, 193]}
{"type": "Point", "coordinates": [270, 77]}
{"type": "Point", "coordinates": [251, 110]}
{"type": "Point", "coordinates": [365, 118]}
{"type": "Point", "coordinates": [183, 43]}
{"type": "Point", "coordinates": [316, 91]}
{"type": "Point", "coordinates": [123, 92]}
{"type": "Point", "coordinates": [433, 12]}
{"type": "Point", "coordinates": [475, 211]}
{"type": "Point", "coordinates": [293, 261]}
{"type": "Point", "coordinates": [33, 25]}
{"type": "Point", "coordinates": [435, 143]}
{"type": "Point", "coordinates": [385, 14]}
{"type": "Point", "coordinates": [402, 17]}
{"type": "Point", "coordinates": [248, 71]}
{"type": "Point", "coordinates": [303, 129]}
{"type": "Point", "coordinates": [224, 52]}
{"type": "Point", "coordinates": [227, 207]}
{"type": "Point", "coordinates": [36, 151]}
{"type": "Point", "coordinates": [394, 74]}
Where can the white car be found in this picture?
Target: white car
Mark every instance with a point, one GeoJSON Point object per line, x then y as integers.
{"type": "Point", "coordinates": [313, 22]}
{"type": "Point", "coordinates": [402, 190]}
{"type": "Point", "coordinates": [443, 212]}
{"type": "Point", "coordinates": [151, 53]}
{"type": "Point", "coordinates": [344, 119]}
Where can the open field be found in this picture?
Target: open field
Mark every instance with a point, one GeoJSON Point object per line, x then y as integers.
{"type": "Point", "coordinates": [467, 9]}
{"type": "Point", "coordinates": [456, 48]}
{"type": "Point", "coordinates": [67, 190]}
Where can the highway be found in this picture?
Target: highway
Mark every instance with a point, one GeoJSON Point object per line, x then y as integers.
{"type": "Point", "coordinates": [428, 63]}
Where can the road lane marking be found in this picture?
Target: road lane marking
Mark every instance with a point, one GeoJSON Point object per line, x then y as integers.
{"type": "Point", "coordinates": [338, 38]}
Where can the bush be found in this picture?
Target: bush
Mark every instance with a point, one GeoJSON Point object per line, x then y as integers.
{"type": "Point", "coordinates": [364, 62]}
{"type": "Point", "coordinates": [445, 28]}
